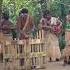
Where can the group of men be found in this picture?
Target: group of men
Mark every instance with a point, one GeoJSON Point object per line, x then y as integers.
{"type": "Point", "coordinates": [51, 26]}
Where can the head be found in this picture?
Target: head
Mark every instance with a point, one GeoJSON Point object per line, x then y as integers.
{"type": "Point", "coordinates": [5, 16]}
{"type": "Point", "coordinates": [46, 14]}
{"type": "Point", "coordinates": [23, 11]}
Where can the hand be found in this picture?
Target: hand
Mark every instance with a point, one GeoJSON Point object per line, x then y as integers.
{"type": "Point", "coordinates": [23, 29]}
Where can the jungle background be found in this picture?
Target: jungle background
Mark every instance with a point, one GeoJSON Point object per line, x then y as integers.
{"type": "Point", "coordinates": [58, 8]}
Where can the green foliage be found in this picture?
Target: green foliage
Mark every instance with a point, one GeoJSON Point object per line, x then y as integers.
{"type": "Point", "coordinates": [1, 8]}
{"type": "Point", "coordinates": [55, 8]}
{"type": "Point", "coordinates": [13, 7]}
{"type": "Point", "coordinates": [62, 42]}
{"type": "Point", "coordinates": [35, 7]}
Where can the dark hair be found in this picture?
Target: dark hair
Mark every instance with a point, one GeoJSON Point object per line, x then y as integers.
{"type": "Point", "coordinates": [69, 12]}
{"type": "Point", "coordinates": [5, 16]}
{"type": "Point", "coordinates": [24, 10]}
{"type": "Point", "coordinates": [46, 12]}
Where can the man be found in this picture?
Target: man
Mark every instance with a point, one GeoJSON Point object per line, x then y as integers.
{"type": "Point", "coordinates": [24, 28]}
{"type": "Point", "coordinates": [6, 25]}
{"type": "Point", "coordinates": [52, 28]}
{"type": "Point", "coordinates": [67, 29]}
{"type": "Point", "coordinates": [24, 24]}
{"type": "Point", "coordinates": [66, 55]}
{"type": "Point", "coordinates": [67, 39]}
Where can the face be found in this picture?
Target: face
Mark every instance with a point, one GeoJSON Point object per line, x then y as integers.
{"type": "Point", "coordinates": [25, 14]}
{"type": "Point", "coordinates": [48, 17]}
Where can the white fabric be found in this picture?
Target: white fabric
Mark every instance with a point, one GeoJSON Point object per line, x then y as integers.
{"type": "Point", "coordinates": [53, 21]}
{"type": "Point", "coordinates": [52, 44]}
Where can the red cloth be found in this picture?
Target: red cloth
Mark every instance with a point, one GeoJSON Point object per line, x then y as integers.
{"type": "Point", "coordinates": [56, 29]}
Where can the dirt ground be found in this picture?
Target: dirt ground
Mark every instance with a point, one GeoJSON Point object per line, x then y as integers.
{"type": "Point", "coordinates": [49, 66]}
{"type": "Point", "coordinates": [56, 66]}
